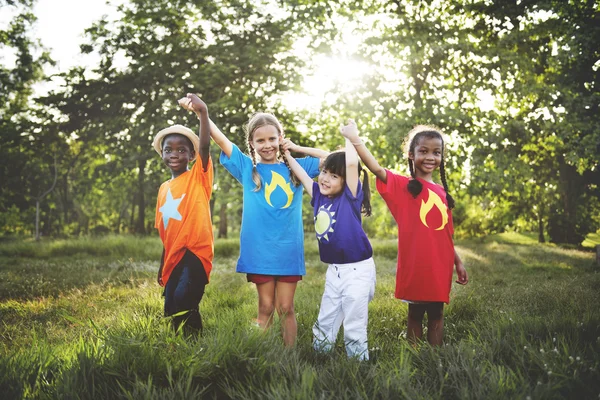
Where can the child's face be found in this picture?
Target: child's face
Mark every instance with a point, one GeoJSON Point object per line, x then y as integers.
{"type": "Point", "coordinates": [177, 153]}
{"type": "Point", "coordinates": [330, 184]}
{"type": "Point", "coordinates": [427, 156]}
{"type": "Point", "coordinates": [265, 142]}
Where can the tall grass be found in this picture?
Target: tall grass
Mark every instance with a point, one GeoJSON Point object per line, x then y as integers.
{"type": "Point", "coordinates": [90, 325]}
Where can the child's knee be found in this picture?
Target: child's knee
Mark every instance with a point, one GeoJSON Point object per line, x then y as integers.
{"type": "Point", "coordinates": [435, 312]}
{"type": "Point", "coordinates": [285, 309]}
{"type": "Point", "coordinates": [266, 308]}
{"type": "Point", "coordinates": [416, 312]}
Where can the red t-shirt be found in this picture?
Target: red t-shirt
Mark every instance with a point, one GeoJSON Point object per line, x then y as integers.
{"type": "Point", "coordinates": [425, 246]}
{"type": "Point", "coordinates": [183, 218]}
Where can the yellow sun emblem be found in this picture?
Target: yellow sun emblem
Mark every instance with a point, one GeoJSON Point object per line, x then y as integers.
{"type": "Point", "coordinates": [324, 222]}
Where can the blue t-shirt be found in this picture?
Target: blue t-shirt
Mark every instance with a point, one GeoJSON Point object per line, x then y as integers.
{"type": "Point", "coordinates": [272, 235]}
{"type": "Point", "coordinates": [338, 227]}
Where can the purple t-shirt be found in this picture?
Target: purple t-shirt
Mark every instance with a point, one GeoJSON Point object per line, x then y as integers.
{"type": "Point", "coordinates": [338, 227]}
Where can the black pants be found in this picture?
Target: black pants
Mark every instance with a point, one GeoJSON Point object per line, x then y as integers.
{"type": "Point", "coordinates": [183, 292]}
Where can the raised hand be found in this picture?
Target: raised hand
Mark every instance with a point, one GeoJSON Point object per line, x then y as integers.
{"type": "Point", "coordinates": [192, 103]}
{"type": "Point", "coordinates": [288, 145]}
{"type": "Point", "coordinates": [350, 131]}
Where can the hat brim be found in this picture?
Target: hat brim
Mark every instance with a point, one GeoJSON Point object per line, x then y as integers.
{"type": "Point", "coordinates": [179, 129]}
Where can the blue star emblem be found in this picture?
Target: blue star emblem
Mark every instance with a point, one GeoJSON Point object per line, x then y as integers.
{"type": "Point", "coordinates": [169, 209]}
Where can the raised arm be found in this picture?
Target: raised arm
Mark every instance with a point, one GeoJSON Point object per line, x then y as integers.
{"type": "Point", "coordinates": [190, 103]}
{"type": "Point", "coordinates": [309, 151]}
{"type": "Point", "coordinates": [352, 177]}
{"type": "Point", "coordinates": [200, 108]}
{"type": "Point", "coordinates": [365, 155]}
{"type": "Point", "coordinates": [297, 169]}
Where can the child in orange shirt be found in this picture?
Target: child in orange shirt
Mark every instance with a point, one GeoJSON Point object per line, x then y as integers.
{"type": "Point", "coordinates": [183, 220]}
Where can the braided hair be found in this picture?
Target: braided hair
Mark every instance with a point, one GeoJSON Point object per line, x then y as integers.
{"type": "Point", "coordinates": [414, 136]}
{"type": "Point", "coordinates": [258, 120]}
{"type": "Point", "coordinates": [335, 163]}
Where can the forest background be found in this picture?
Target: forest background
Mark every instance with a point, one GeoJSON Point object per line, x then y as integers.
{"type": "Point", "coordinates": [514, 85]}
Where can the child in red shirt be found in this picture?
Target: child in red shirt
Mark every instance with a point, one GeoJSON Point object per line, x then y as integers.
{"type": "Point", "coordinates": [421, 208]}
{"type": "Point", "coordinates": [183, 220]}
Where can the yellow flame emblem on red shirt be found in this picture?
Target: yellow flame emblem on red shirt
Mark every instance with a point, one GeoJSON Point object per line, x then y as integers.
{"type": "Point", "coordinates": [278, 180]}
{"type": "Point", "coordinates": [434, 200]}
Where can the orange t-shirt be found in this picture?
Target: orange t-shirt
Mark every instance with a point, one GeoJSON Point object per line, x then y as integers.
{"type": "Point", "coordinates": [183, 218]}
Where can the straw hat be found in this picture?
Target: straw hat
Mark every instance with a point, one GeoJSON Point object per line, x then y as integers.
{"type": "Point", "coordinates": [180, 129]}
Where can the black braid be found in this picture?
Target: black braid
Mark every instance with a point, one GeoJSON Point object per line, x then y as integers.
{"type": "Point", "coordinates": [293, 177]}
{"type": "Point", "coordinates": [414, 185]}
{"type": "Point", "coordinates": [255, 174]}
{"type": "Point", "coordinates": [449, 198]}
{"type": "Point", "coordinates": [366, 203]}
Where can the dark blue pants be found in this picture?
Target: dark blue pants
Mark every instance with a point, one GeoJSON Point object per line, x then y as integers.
{"type": "Point", "coordinates": [183, 292]}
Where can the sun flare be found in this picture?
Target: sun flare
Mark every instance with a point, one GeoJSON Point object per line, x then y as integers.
{"type": "Point", "coordinates": [332, 76]}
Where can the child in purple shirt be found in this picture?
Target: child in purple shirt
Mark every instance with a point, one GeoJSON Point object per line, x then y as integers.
{"type": "Point", "coordinates": [339, 199]}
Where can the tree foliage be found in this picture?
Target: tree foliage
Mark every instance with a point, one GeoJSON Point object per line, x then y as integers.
{"type": "Point", "coordinates": [529, 161]}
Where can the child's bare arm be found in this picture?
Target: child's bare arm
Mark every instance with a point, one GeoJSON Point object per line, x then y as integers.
{"type": "Point", "coordinates": [162, 263]}
{"type": "Point", "coordinates": [297, 169]}
{"type": "Point", "coordinates": [220, 139]}
{"type": "Point", "coordinates": [309, 151]}
{"type": "Point", "coordinates": [365, 155]}
{"type": "Point", "coordinates": [199, 107]}
{"type": "Point", "coordinates": [352, 177]}
{"type": "Point", "coordinates": [461, 272]}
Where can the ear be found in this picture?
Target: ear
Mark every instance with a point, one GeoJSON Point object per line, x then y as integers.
{"type": "Point", "coordinates": [411, 155]}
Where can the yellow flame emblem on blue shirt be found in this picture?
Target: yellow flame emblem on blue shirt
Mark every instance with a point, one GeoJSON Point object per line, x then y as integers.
{"type": "Point", "coordinates": [434, 200]}
{"type": "Point", "coordinates": [278, 180]}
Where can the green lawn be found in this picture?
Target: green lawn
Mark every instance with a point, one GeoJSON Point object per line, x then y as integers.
{"type": "Point", "coordinates": [83, 319]}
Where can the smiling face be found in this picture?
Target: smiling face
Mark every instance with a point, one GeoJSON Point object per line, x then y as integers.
{"type": "Point", "coordinates": [330, 184]}
{"type": "Point", "coordinates": [333, 174]}
{"type": "Point", "coordinates": [427, 156]}
{"type": "Point", "coordinates": [265, 141]}
{"type": "Point", "coordinates": [177, 152]}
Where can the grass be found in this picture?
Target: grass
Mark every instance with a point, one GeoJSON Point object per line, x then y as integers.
{"type": "Point", "coordinates": [83, 319]}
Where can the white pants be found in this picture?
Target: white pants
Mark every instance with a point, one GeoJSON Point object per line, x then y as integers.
{"type": "Point", "coordinates": [348, 290]}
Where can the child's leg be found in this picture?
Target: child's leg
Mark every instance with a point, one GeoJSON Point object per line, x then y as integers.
{"type": "Point", "coordinates": [358, 289]}
{"type": "Point", "coordinates": [435, 323]}
{"type": "Point", "coordinates": [184, 291]}
{"type": "Point", "coordinates": [284, 303]}
{"type": "Point", "coordinates": [415, 322]}
{"type": "Point", "coordinates": [266, 303]}
{"type": "Point", "coordinates": [330, 317]}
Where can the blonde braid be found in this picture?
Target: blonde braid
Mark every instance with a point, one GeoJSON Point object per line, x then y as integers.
{"type": "Point", "coordinates": [255, 174]}
{"type": "Point", "coordinates": [293, 177]}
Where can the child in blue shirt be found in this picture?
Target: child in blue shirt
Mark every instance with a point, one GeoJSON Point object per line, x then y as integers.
{"type": "Point", "coordinates": [272, 234]}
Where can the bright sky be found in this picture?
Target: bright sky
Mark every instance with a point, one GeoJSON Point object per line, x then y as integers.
{"type": "Point", "coordinates": [61, 24]}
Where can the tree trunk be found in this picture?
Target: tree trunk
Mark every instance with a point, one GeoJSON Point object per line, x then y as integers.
{"type": "Point", "coordinates": [541, 237]}
{"type": "Point", "coordinates": [39, 198]}
{"type": "Point", "coordinates": [37, 219]}
{"type": "Point", "coordinates": [132, 215]}
{"type": "Point", "coordinates": [223, 221]}
{"type": "Point", "coordinates": [140, 226]}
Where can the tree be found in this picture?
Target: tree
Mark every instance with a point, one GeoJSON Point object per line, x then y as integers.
{"type": "Point", "coordinates": [548, 94]}
{"type": "Point", "coordinates": [20, 145]}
